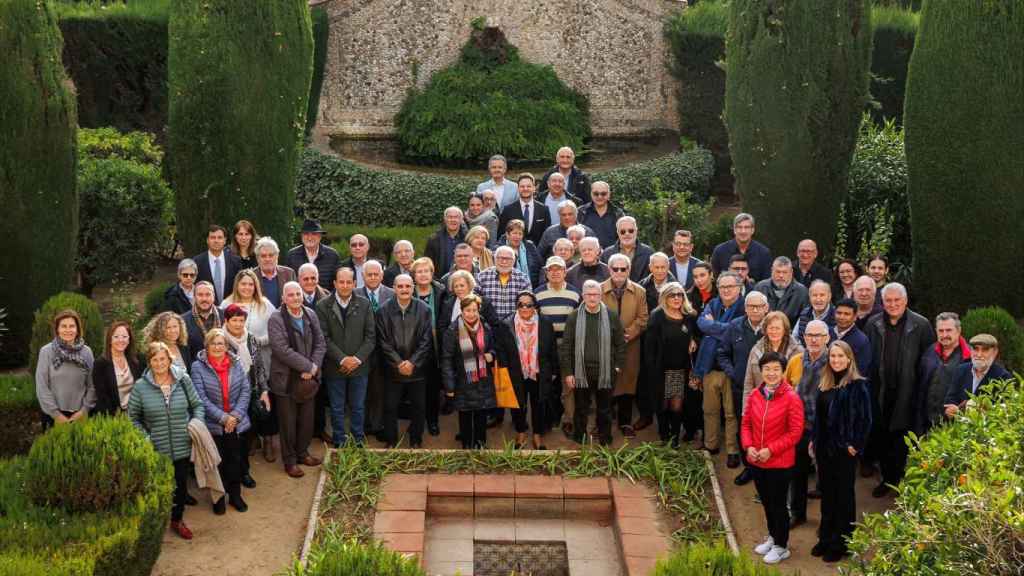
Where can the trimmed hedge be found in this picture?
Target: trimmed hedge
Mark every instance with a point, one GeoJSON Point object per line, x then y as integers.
{"type": "Point", "coordinates": [959, 507]}
{"type": "Point", "coordinates": [321, 33]}
{"type": "Point", "coordinates": [711, 560]}
{"type": "Point", "coordinates": [37, 169]}
{"type": "Point", "coordinates": [797, 84]}
{"type": "Point", "coordinates": [895, 29]}
{"type": "Point", "coordinates": [239, 76]}
{"type": "Point", "coordinates": [337, 557]}
{"type": "Point", "coordinates": [117, 56]}
{"type": "Point", "coordinates": [123, 540]}
{"type": "Point", "coordinates": [333, 189]}
{"type": "Point", "coordinates": [964, 123]}
{"type": "Point", "coordinates": [19, 414]}
{"type": "Point", "coordinates": [42, 327]}
{"type": "Point", "coordinates": [998, 322]}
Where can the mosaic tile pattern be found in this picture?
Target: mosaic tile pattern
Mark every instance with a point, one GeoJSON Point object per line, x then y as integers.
{"type": "Point", "coordinates": [491, 558]}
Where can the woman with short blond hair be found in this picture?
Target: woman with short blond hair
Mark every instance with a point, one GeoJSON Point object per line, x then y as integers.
{"type": "Point", "coordinates": [478, 239]}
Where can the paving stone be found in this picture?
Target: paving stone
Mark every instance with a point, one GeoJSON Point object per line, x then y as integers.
{"type": "Point", "coordinates": [497, 485]}
{"type": "Point", "coordinates": [402, 542]}
{"type": "Point", "coordinates": [586, 488]}
{"type": "Point", "coordinates": [635, 507]}
{"type": "Point", "coordinates": [392, 522]}
{"type": "Point", "coordinates": [588, 508]}
{"type": "Point", "coordinates": [450, 506]}
{"type": "Point", "coordinates": [539, 487]}
{"type": "Point", "coordinates": [404, 483]}
{"type": "Point", "coordinates": [539, 508]}
{"type": "Point", "coordinates": [644, 545]}
{"type": "Point", "coordinates": [392, 500]}
{"type": "Point", "coordinates": [639, 565]}
{"type": "Point", "coordinates": [493, 507]}
{"type": "Point", "coordinates": [450, 485]}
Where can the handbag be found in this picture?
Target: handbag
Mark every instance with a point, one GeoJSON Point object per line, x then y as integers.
{"type": "Point", "coordinates": [300, 390]}
{"type": "Point", "coordinates": [258, 413]}
{"type": "Point", "coordinates": [503, 389]}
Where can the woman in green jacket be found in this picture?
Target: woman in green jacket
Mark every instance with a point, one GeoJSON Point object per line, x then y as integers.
{"type": "Point", "coordinates": [161, 405]}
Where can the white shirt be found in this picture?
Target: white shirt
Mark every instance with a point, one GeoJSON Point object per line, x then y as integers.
{"type": "Point", "coordinates": [552, 203]}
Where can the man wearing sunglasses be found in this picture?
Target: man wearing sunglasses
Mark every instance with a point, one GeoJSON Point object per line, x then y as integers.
{"type": "Point", "coordinates": [599, 214]}
{"type": "Point", "coordinates": [638, 253]}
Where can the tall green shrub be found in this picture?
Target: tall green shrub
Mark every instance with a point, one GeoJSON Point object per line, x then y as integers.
{"type": "Point", "coordinates": [964, 122]}
{"type": "Point", "coordinates": [37, 168]}
{"type": "Point", "coordinates": [239, 76]}
{"type": "Point", "coordinates": [321, 33]}
{"type": "Point", "coordinates": [895, 28]}
{"type": "Point", "coordinates": [796, 85]}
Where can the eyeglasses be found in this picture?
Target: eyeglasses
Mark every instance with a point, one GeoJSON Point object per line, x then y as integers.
{"type": "Point", "coordinates": [809, 335]}
{"type": "Point", "coordinates": [598, 194]}
{"type": "Point", "coordinates": [188, 274]}
{"type": "Point", "coordinates": [725, 286]}
{"type": "Point", "coordinates": [522, 305]}
{"type": "Point", "coordinates": [357, 244]}
{"type": "Point", "coordinates": [619, 269]}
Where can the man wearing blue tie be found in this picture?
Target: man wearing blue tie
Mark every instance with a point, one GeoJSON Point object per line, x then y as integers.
{"type": "Point", "coordinates": [217, 265]}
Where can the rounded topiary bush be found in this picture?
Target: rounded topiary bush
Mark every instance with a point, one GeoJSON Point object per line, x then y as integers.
{"type": "Point", "coordinates": [705, 560]}
{"type": "Point", "coordinates": [491, 101]}
{"type": "Point", "coordinates": [42, 327]}
{"type": "Point", "coordinates": [90, 466]}
{"type": "Point", "coordinates": [350, 558]}
{"type": "Point", "coordinates": [999, 323]}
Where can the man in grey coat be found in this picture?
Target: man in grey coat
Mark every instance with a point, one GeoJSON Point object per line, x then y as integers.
{"type": "Point", "coordinates": [348, 324]}
{"type": "Point", "coordinates": [783, 293]}
{"type": "Point", "coordinates": [298, 348]}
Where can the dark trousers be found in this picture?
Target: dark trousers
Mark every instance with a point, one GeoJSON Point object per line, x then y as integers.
{"type": "Point", "coordinates": [181, 467]}
{"type": "Point", "coordinates": [798, 485]}
{"type": "Point", "coordinates": [322, 404]}
{"type": "Point", "coordinates": [269, 425]}
{"type": "Point", "coordinates": [772, 488]}
{"type": "Point", "coordinates": [838, 498]}
{"type": "Point", "coordinates": [473, 428]}
{"type": "Point", "coordinates": [231, 447]}
{"type": "Point", "coordinates": [433, 394]}
{"type": "Point", "coordinates": [737, 406]}
{"type": "Point", "coordinates": [531, 398]}
{"type": "Point", "coordinates": [295, 423]}
{"type": "Point", "coordinates": [624, 409]}
{"type": "Point", "coordinates": [393, 394]}
{"type": "Point", "coordinates": [893, 456]}
{"type": "Point", "coordinates": [603, 399]}
{"type": "Point", "coordinates": [375, 398]}
{"type": "Point", "coordinates": [693, 411]}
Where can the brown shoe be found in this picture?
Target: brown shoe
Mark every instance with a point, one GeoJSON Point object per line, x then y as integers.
{"type": "Point", "coordinates": [268, 449]}
{"type": "Point", "coordinates": [311, 461]}
{"type": "Point", "coordinates": [181, 529]}
{"type": "Point", "coordinates": [294, 471]}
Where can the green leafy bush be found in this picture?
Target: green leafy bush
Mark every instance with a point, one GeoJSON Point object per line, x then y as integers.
{"type": "Point", "coordinates": [124, 221]}
{"type": "Point", "coordinates": [37, 168]}
{"type": "Point", "coordinates": [124, 540]}
{"type": "Point", "coordinates": [959, 509]}
{"type": "Point", "coordinates": [110, 143]}
{"type": "Point", "coordinates": [339, 557]}
{"type": "Point", "coordinates": [658, 218]}
{"type": "Point", "coordinates": [42, 328]}
{"type": "Point", "coordinates": [491, 101]}
{"type": "Point", "coordinates": [707, 560]}
{"type": "Point", "coordinates": [19, 414]}
{"type": "Point", "coordinates": [691, 170]}
{"type": "Point", "coordinates": [999, 323]}
{"type": "Point", "coordinates": [875, 217]}
{"type": "Point", "coordinates": [89, 468]}
{"type": "Point", "coordinates": [153, 303]}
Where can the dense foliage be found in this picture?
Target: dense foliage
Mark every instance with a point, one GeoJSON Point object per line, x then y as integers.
{"type": "Point", "coordinates": [37, 168]}
{"type": "Point", "coordinates": [707, 560]}
{"type": "Point", "coordinates": [123, 539]}
{"type": "Point", "coordinates": [795, 90]}
{"type": "Point", "coordinates": [658, 219]}
{"type": "Point", "coordinates": [339, 557]}
{"type": "Point", "coordinates": [42, 327]}
{"type": "Point", "coordinates": [963, 118]}
{"type": "Point", "coordinates": [337, 190]}
{"type": "Point", "coordinates": [875, 217]}
{"type": "Point", "coordinates": [998, 322]}
{"type": "Point", "coordinates": [895, 28]}
{"type": "Point", "coordinates": [239, 76]}
{"type": "Point", "coordinates": [959, 509]}
{"type": "Point", "coordinates": [321, 32]}
{"type": "Point", "coordinates": [19, 414]}
{"type": "Point", "coordinates": [491, 101]}
{"type": "Point", "coordinates": [125, 207]}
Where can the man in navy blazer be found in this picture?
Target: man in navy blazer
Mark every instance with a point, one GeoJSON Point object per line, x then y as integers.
{"type": "Point", "coordinates": [539, 217]}
{"type": "Point", "coordinates": [217, 265]}
{"type": "Point", "coordinates": [972, 377]}
{"type": "Point", "coordinates": [682, 263]}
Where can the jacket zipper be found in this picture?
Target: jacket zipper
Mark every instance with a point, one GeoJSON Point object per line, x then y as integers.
{"type": "Point", "coordinates": [170, 429]}
{"type": "Point", "coordinates": [764, 419]}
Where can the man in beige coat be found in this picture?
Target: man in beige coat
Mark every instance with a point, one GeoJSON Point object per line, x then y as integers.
{"type": "Point", "coordinates": [629, 301]}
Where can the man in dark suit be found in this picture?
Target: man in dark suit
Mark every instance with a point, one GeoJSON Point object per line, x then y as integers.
{"type": "Point", "coordinates": [683, 261]}
{"type": "Point", "coordinates": [208, 318]}
{"type": "Point", "coordinates": [217, 265]}
{"type": "Point", "coordinates": [534, 214]}
{"type": "Point", "coordinates": [273, 277]}
{"type": "Point", "coordinates": [313, 250]}
{"type": "Point", "coordinates": [378, 295]}
{"type": "Point", "coordinates": [348, 325]}
{"type": "Point", "coordinates": [973, 377]}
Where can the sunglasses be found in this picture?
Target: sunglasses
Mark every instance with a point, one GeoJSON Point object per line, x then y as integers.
{"type": "Point", "coordinates": [599, 194]}
{"type": "Point", "coordinates": [619, 269]}
{"type": "Point", "coordinates": [676, 295]}
{"type": "Point", "coordinates": [188, 274]}
{"type": "Point", "coordinates": [628, 231]}
{"type": "Point", "coordinates": [526, 305]}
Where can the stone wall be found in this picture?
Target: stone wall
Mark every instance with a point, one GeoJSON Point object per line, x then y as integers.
{"type": "Point", "coordinates": [613, 51]}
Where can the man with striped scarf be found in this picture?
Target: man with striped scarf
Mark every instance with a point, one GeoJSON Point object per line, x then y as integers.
{"type": "Point", "coordinates": [592, 353]}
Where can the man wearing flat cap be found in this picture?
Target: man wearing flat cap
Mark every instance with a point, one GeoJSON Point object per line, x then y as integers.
{"type": "Point", "coordinates": [972, 378]}
{"type": "Point", "coordinates": [312, 250]}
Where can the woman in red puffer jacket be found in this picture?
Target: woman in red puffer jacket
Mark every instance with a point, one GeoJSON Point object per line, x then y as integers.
{"type": "Point", "coordinates": [773, 422]}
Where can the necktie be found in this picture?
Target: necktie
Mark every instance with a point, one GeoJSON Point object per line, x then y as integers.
{"type": "Point", "coordinates": [373, 301]}
{"type": "Point", "coordinates": [218, 279]}
{"type": "Point", "coordinates": [526, 216]}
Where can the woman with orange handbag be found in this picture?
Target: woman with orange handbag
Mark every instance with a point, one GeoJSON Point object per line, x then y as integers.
{"type": "Point", "coordinates": [532, 356]}
{"type": "Point", "coordinates": [467, 366]}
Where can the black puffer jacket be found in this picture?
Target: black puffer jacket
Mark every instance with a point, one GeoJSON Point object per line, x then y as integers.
{"type": "Point", "coordinates": [405, 335]}
{"type": "Point", "coordinates": [477, 395]}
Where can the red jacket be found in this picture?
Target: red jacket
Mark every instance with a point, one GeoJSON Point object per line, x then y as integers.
{"type": "Point", "coordinates": [776, 423]}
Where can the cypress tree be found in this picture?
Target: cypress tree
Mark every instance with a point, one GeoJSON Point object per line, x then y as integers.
{"type": "Point", "coordinates": [39, 224]}
{"type": "Point", "coordinates": [238, 76]}
{"type": "Point", "coordinates": [964, 134]}
{"type": "Point", "coordinates": [796, 84]}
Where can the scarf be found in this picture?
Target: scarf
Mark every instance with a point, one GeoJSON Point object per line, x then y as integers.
{"type": "Point", "coordinates": [472, 347]}
{"type": "Point", "coordinates": [212, 321]}
{"type": "Point", "coordinates": [526, 340]}
{"type": "Point", "coordinates": [521, 261]}
{"type": "Point", "coordinates": [240, 347]}
{"type": "Point", "coordinates": [223, 367]}
{"type": "Point", "coordinates": [73, 353]}
{"type": "Point", "coordinates": [605, 343]}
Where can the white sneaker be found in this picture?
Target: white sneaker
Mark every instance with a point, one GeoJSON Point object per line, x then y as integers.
{"type": "Point", "coordinates": [765, 547]}
{"type": "Point", "coordinates": [776, 554]}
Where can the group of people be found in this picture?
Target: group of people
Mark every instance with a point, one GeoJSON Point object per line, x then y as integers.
{"type": "Point", "coordinates": [542, 283]}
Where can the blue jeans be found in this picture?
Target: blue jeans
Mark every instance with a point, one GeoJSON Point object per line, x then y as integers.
{"type": "Point", "coordinates": [347, 392]}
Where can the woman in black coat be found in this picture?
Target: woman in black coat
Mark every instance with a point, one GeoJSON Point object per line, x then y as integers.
{"type": "Point", "coordinates": [842, 423]}
{"type": "Point", "coordinates": [668, 348]}
{"type": "Point", "coordinates": [467, 366]}
{"type": "Point", "coordinates": [115, 372]}
{"type": "Point", "coordinates": [531, 355]}
{"type": "Point", "coordinates": [703, 291]}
